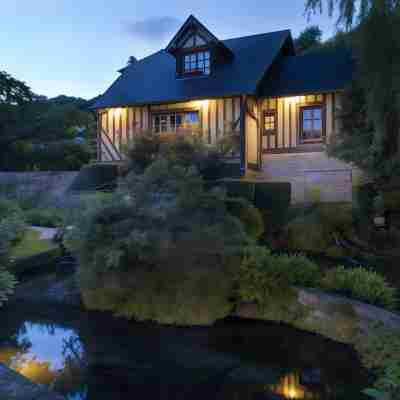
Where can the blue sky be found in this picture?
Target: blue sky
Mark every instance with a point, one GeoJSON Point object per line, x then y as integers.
{"type": "Point", "coordinates": [75, 47]}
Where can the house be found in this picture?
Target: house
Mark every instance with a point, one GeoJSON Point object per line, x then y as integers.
{"type": "Point", "coordinates": [284, 107]}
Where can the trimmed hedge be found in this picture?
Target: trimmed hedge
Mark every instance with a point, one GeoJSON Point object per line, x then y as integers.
{"type": "Point", "coordinates": [271, 198]}
{"type": "Point", "coordinates": [96, 176]}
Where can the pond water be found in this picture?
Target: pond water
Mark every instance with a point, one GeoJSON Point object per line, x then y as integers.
{"type": "Point", "coordinates": [96, 357]}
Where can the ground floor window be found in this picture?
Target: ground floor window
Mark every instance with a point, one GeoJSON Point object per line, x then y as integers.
{"type": "Point", "coordinates": [311, 125]}
{"type": "Point", "coordinates": [173, 121]}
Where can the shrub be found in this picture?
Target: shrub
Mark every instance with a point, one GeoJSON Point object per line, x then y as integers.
{"type": "Point", "coordinates": [48, 217]}
{"type": "Point", "coordinates": [273, 199]}
{"type": "Point", "coordinates": [361, 284]}
{"type": "Point", "coordinates": [263, 275]}
{"type": "Point", "coordinates": [7, 285]}
{"type": "Point", "coordinates": [322, 222]}
{"type": "Point", "coordinates": [11, 232]}
{"type": "Point", "coordinates": [388, 384]}
{"type": "Point", "coordinates": [144, 151]}
{"type": "Point", "coordinates": [8, 208]}
{"type": "Point", "coordinates": [242, 189]}
{"type": "Point", "coordinates": [163, 249]}
{"type": "Point", "coordinates": [250, 216]}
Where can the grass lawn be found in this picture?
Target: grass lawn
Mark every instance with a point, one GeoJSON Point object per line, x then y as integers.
{"type": "Point", "coordinates": [31, 245]}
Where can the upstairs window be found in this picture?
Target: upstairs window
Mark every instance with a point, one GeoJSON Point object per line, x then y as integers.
{"type": "Point", "coordinates": [197, 63]}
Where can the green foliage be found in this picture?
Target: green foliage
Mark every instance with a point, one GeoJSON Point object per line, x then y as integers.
{"type": "Point", "coordinates": [309, 38]}
{"type": "Point", "coordinates": [46, 217]}
{"type": "Point", "coordinates": [60, 156]}
{"type": "Point", "coordinates": [249, 216]}
{"type": "Point", "coordinates": [144, 151]}
{"type": "Point", "coordinates": [315, 227]}
{"type": "Point", "coordinates": [12, 230]}
{"type": "Point", "coordinates": [361, 284]}
{"type": "Point", "coordinates": [388, 384]}
{"type": "Point", "coordinates": [162, 249]}
{"type": "Point", "coordinates": [271, 198]}
{"type": "Point", "coordinates": [181, 151]}
{"type": "Point", "coordinates": [263, 275]}
{"type": "Point", "coordinates": [8, 208]}
{"type": "Point", "coordinates": [7, 285]}
{"type": "Point", "coordinates": [371, 107]}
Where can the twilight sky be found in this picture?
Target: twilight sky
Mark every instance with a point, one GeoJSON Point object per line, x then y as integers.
{"type": "Point", "coordinates": [75, 47]}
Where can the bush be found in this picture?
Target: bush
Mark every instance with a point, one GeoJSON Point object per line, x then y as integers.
{"type": "Point", "coordinates": [12, 230]}
{"type": "Point", "coordinates": [321, 222]}
{"type": "Point", "coordinates": [181, 151]}
{"type": "Point", "coordinates": [47, 217]}
{"type": "Point", "coordinates": [7, 285]}
{"type": "Point", "coordinates": [263, 275]}
{"type": "Point", "coordinates": [250, 217]}
{"type": "Point", "coordinates": [361, 284]}
{"type": "Point", "coordinates": [163, 249]}
{"type": "Point", "coordinates": [271, 198]}
{"type": "Point", "coordinates": [97, 176]}
{"type": "Point", "coordinates": [388, 384]}
{"type": "Point", "coordinates": [8, 208]}
{"type": "Point", "coordinates": [145, 150]}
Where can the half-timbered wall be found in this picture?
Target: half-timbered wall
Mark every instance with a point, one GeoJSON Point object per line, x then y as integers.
{"type": "Point", "coordinates": [217, 118]}
{"type": "Point", "coordinates": [288, 120]}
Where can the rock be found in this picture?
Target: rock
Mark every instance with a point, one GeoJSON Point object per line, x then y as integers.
{"type": "Point", "coordinates": [14, 386]}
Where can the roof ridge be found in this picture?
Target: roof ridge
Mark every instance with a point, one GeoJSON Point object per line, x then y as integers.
{"type": "Point", "coordinates": [257, 34]}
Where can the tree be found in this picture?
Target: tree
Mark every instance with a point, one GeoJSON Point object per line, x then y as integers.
{"type": "Point", "coordinates": [308, 39]}
{"type": "Point", "coordinates": [375, 28]}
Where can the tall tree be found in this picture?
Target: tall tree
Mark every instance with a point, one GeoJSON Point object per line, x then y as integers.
{"type": "Point", "coordinates": [376, 41]}
{"type": "Point", "coordinates": [308, 39]}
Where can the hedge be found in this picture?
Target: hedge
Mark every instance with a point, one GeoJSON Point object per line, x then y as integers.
{"type": "Point", "coordinates": [96, 176]}
{"type": "Point", "coordinates": [271, 198]}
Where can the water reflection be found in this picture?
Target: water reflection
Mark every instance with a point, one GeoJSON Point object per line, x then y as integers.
{"type": "Point", "coordinates": [48, 355]}
{"type": "Point", "coordinates": [290, 388]}
{"type": "Point", "coordinates": [231, 361]}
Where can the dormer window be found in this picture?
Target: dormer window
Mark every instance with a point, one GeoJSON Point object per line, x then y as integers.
{"type": "Point", "coordinates": [197, 63]}
{"type": "Point", "coordinates": [195, 48]}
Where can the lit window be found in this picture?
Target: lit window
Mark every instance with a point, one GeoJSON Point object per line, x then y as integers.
{"type": "Point", "coordinates": [172, 122]}
{"type": "Point", "coordinates": [311, 124]}
{"type": "Point", "coordinates": [197, 63]}
{"type": "Point", "coordinates": [270, 122]}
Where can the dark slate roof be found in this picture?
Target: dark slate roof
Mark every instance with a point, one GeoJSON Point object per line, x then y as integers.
{"type": "Point", "coordinates": [322, 71]}
{"type": "Point", "coordinates": [153, 79]}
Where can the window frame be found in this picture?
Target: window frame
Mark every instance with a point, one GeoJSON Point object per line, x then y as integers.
{"type": "Point", "coordinates": [167, 114]}
{"type": "Point", "coordinates": [270, 113]}
{"type": "Point", "coordinates": [195, 52]}
{"type": "Point", "coordinates": [302, 108]}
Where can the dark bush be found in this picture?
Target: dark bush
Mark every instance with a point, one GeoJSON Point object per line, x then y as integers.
{"type": "Point", "coordinates": [164, 249]}
{"type": "Point", "coordinates": [96, 176]}
{"type": "Point", "coordinates": [240, 188]}
{"type": "Point", "coordinates": [59, 156]}
{"type": "Point", "coordinates": [273, 199]}
{"type": "Point", "coordinates": [144, 151]}
{"type": "Point", "coordinates": [249, 215]}
{"type": "Point", "coordinates": [46, 217]}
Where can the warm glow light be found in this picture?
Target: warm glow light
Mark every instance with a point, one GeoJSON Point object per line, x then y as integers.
{"type": "Point", "coordinates": [295, 99]}
{"type": "Point", "coordinates": [202, 103]}
{"type": "Point", "coordinates": [290, 387]}
{"type": "Point", "coordinates": [117, 111]}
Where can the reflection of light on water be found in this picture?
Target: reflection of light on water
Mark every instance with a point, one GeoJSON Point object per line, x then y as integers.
{"type": "Point", "coordinates": [39, 352]}
{"type": "Point", "coordinates": [290, 388]}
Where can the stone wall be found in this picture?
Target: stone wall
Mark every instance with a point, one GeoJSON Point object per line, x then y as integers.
{"type": "Point", "coordinates": [46, 184]}
{"type": "Point", "coordinates": [311, 175]}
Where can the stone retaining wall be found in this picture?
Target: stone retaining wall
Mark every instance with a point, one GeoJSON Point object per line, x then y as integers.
{"type": "Point", "coordinates": [14, 386]}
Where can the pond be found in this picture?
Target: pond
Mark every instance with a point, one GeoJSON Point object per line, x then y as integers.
{"type": "Point", "coordinates": [94, 357]}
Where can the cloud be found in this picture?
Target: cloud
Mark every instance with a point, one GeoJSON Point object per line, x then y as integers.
{"type": "Point", "coordinates": [154, 29]}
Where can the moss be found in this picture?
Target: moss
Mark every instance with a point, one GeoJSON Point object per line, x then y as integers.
{"type": "Point", "coordinates": [31, 245]}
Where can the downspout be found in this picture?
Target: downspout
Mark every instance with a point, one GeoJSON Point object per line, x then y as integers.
{"type": "Point", "coordinates": [243, 107]}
